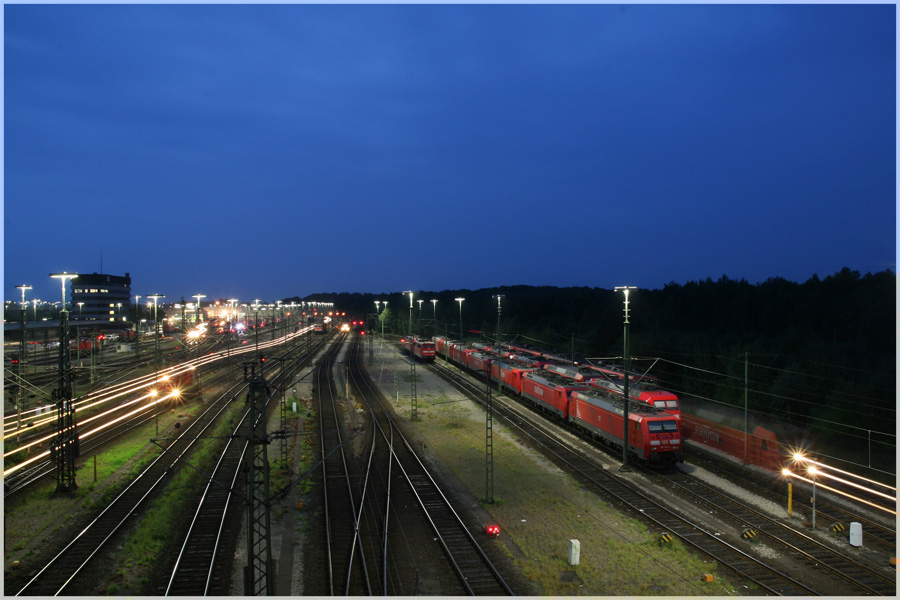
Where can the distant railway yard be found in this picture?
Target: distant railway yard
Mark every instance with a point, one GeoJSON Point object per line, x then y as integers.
{"type": "Point", "coordinates": [331, 462]}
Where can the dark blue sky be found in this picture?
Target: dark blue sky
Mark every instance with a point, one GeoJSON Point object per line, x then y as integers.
{"type": "Point", "coordinates": [270, 151]}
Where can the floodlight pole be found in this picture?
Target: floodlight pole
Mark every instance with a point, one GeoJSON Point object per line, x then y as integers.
{"type": "Point", "coordinates": [460, 300]}
{"type": "Point", "coordinates": [65, 446]}
{"type": "Point", "coordinates": [625, 468]}
{"type": "Point", "coordinates": [414, 400]}
{"type": "Point", "coordinates": [137, 327]}
{"type": "Point", "coordinates": [20, 389]}
{"type": "Point", "coordinates": [489, 417]}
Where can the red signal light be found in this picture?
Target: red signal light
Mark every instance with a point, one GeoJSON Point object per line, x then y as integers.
{"type": "Point", "coordinates": [492, 530]}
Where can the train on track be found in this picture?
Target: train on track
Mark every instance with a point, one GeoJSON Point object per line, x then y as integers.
{"type": "Point", "coordinates": [767, 443]}
{"type": "Point", "coordinates": [422, 349]}
{"type": "Point", "coordinates": [653, 433]}
{"type": "Point", "coordinates": [551, 380]}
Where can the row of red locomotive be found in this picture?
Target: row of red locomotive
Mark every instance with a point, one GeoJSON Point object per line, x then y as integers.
{"type": "Point", "coordinates": [653, 434]}
{"type": "Point", "coordinates": [581, 394]}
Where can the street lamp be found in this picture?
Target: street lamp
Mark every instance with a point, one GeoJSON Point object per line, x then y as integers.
{"type": "Point", "coordinates": [256, 324]}
{"type": "Point", "coordinates": [410, 310]}
{"type": "Point", "coordinates": [624, 466]}
{"type": "Point", "coordinates": [66, 442]}
{"type": "Point", "coordinates": [433, 317]}
{"type": "Point", "coordinates": [24, 308]}
{"type": "Point", "coordinates": [419, 317]}
{"type": "Point", "coordinates": [63, 277]}
{"type": "Point", "coordinates": [137, 326]}
{"type": "Point", "coordinates": [78, 333]}
{"type": "Point", "coordinates": [198, 296]}
{"type": "Point", "coordinates": [22, 359]}
{"type": "Point", "coordinates": [155, 298]}
{"type": "Point", "coordinates": [460, 300]}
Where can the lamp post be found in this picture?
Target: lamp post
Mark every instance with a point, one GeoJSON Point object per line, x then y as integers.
{"type": "Point", "coordinates": [256, 325]}
{"type": "Point", "coordinates": [625, 467]}
{"type": "Point", "coordinates": [378, 315]}
{"type": "Point", "coordinates": [137, 327]}
{"type": "Point", "coordinates": [460, 300]}
{"type": "Point", "coordinates": [155, 298]}
{"type": "Point", "coordinates": [198, 297]}
{"type": "Point", "coordinates": [433, 317]}
{"type": "Point", "coordinates": [499, 349]}
{"type": "Point", "coordinates": [419, 318]}
{"type": "Point", "coordinates": [24, 308]}
{"type": "Point", "coordinates": [21, 371]}
{"type": "Point", "coordinates": [78, 333]}
{"type": "Point", "coordinates": [410, 311]}
{"type": "Point", "coordinates": [66, 441]}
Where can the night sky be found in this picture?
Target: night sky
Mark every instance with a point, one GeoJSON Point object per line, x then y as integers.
{"type": "Point", "coordinates": [272, 151]}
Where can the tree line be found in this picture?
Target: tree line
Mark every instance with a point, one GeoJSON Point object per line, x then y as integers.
{"type": "Point", "coordinates": [820, 354]}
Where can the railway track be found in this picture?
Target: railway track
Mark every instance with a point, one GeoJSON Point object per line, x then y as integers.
{"type": "Point", "coordinates": [475, 572]}
{"type": "Point", "coordinates": [62, 571]}
{"type": "Point", "coordinates": [23, 468]}
{"type": "Point", "coordinates": [827, 512]}
{"type": "Point", "coordinates": [200, 566]}
{"type": "Point", "coordinates": [71, 568]}
{"type": "Point", "coordinates": [347, 572]}
{"type": "Point", "coordinates": [836, 573]}
{"type": "Point", "coordinates": [629, 497]}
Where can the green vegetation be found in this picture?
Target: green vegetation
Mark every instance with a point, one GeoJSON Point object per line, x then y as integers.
{"type": "Point", "coordinates": [174, 505]}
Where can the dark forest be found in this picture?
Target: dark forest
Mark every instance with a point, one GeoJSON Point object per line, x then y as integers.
{"type": "Point", "coordinates": [820, 354]}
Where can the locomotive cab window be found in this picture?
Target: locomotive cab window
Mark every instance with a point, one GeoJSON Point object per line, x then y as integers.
{"type": "Point", "coordinates": [662, 426]}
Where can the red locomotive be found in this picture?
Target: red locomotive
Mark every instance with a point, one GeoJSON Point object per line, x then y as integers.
{"type": "Point", "coordinates": [550, 391]}
{"type": "Point", "coordinates": [721, 428]}
{"type": "Point", "coordinates": [424, 350]}
{"type": "Point", "coordinates": [653, 435]}
{"type": "Point", "coordinates": [565, 392]}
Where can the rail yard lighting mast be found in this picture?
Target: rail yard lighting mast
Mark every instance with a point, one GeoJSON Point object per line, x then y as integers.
{"type": "Point", "coordinates": [66, 442]}
{"type": "Point", "coordinates": [155, 298]}
{"type": "Point", "coordinates": [460, 300]}
{"type": "Point", "coordinates": [78, 333]}
{"type": "Point", "coordinates": [198, 297]}
{"type": "Point", "coordinates": [378, 314]}
{"type": "Point", "coordinates": [137, 326]}
{"type": "Point", "coordinates": [24, 308]}
{"type": "Point", "coordinates": [433, 317]}
{"type": "Point", "coordinates": [419, 317]}
{"type": "Point", "coordinates": [624, 467]}
{"type": "Point", "coordinates": [21, 371]}
{"type": "Point", "coordinates": [489, 417]}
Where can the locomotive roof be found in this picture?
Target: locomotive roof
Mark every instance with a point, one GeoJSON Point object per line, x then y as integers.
{"type": "Point", "coordinates": [551, 379]}
{"type": "Point", "coordinates": [617, 404]}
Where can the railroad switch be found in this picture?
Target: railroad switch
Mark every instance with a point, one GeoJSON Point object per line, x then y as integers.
{"type": "Point", "coordinates": [665, 538]}
{"type": "Point", "coordinates": [838, 528]}
{"type": "Point", "coordinates": [749, 534]}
